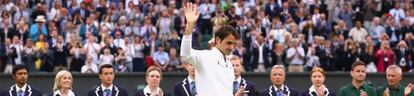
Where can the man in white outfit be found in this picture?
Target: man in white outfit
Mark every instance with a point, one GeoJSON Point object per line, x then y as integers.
{"type": "Point", "coordinates": [214, 71]}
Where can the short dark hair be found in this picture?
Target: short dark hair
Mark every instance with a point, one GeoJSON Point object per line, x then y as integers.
{"type": "Point", "coordinates": [225, 31]}
{"type": "Point", "coordinates": [105, 66]}
{"type": "Point", "coordinates": [357, 63]}
{"type": "Point", "coordinates": [18, 67]}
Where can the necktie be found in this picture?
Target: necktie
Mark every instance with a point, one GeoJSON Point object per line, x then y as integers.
{"type": "Point", "coordinates": [107, 92]}
{"type": "Point", "coordinates": [193, 88]}
{"type": "Point", "coordinates": [20, 93]}
{"type": "Point", "coordinates": [235, 86]}
{"type": "Point", "coordinates": [279, 92]}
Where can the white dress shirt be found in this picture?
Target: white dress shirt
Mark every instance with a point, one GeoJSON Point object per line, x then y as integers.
{"type": "Point", "coordinates": [214, 74]}
{"type": "Point", "coordinates": [23, 88]}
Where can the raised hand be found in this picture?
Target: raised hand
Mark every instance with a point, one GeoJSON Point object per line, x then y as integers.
{"type": "Point", "coordinates": [191, 13]}
{"type": "Point", "coordinates": [408, 89]}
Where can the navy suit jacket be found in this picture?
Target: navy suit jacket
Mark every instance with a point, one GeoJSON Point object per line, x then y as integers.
{"type": "Point", "coordinates": [29, 91]}
{"type": "Point", "coordinates": [286, 90]}
{"type": "Point", "coordinates": [141, 93]}
{"type": "Point", "coordinates": [249, 86]}
{"type": "Point", "coordinates": [327, 93]}
{"type": "Point", "coordinates": [182, 88]}
{"type": "Point", "coordinates": [116, 91]}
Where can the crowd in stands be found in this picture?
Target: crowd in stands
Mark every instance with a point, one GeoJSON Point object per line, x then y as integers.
{"type": "Point", "coordinates": [132, 35]}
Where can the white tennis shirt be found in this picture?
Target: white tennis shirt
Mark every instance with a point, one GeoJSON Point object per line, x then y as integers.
{"type": "Point", "coordinates": [214, 75]}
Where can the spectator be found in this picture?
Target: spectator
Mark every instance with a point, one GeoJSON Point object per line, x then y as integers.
{"type": "Point", "coordinates": [38, 28]}
{"type": "Point", "coordinates": [393, 31]}
{"type": "Point", "coordinates": [309, 31]}
{"type": "Point", "coordinates": [138, 48]}
{"type": "Point", "coordinates": [78, 55]}
{"type": "Point", "coordinates": [384, 56]}
{"type": "Point", "coordinates": [279, 55]}
{"type": "Point", "coordinates": [84, 13]}
{"type": "Point", "coordinates": [358, 33]}
{"type": "Point", "coordinates": [161, 58]}
{"type": "Point", "coordinates": [88, 27]}
{"type": "Point", "coordinates": [11, 55]}
{"type": "Point", "coordinates": [119, 42]}
{"type": "Point", "coordinates": [206, 11]}
{"type": "Point", "coordinates": [18, 48]}
{"type": "Point", "coordinates": [22, 31]}
{"type": "Point", "coordinates": [29, 55]}
{"type": "Point", "coordinates": [7, 31]}
{"type": "Point", "coordinates": [106, 57]}
{"type": "Point", "coordinates": [312, 60]}
{"type": "Point", "coordinates": [260, 55]}
{"type": "Point", "coordinates": [147, 29]}
{"type": "Point", "coordinates": [327, 56]}
{"type": "Point", "coordinates": [92, 49]}
{"type": "Point", "coordinates": [174, 61]}
{"type": "Point", "coordinates": [89, 66]}
{"type": "Point", "coordinates": [123, 62]}
{"type": "Point", "coordinates": [376, 30]}
{"type": "Point", "coordinates": [174, 40]}
{"type": "Point", "coordinates": [295, 56]}
{"type": "Point", "coordinates": [347, 15]}
{"type": "Point", "coordinates": [398, 13]}
{"type": "Point", "coordinates": [402, 53]}
{"type": "Point", "coordinates": [61, 53]}
{"type": "Point", "coordinates": [165, 25]}
{"type": "Point", "coordinates": [47, 57]}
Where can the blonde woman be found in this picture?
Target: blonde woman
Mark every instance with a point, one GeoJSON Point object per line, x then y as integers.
{"type": "Point", "coordinates": [63, 84]}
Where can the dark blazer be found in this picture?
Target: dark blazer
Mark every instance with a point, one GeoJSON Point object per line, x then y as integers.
{"type": "Point", "coordinates": [249, 86]}
{"type": "Point", "coordinates": [87, 12]}
{"type": "Point", "coordinates": [182, 88]}
{"type": "Point", "coordinates": [265, 56]}
{"type": "Point", "coordinates": [60, 56]}
{"type": "Point", "coordinates": [313, 93]}
{"type": "Point", "coordinates": [23, 36]}
{"type": "Point", "coordinates": [275, 58]}
{"type": "Point", "coordinates": [327, 62]}
{"type": "Point", "coordinates": [10, 34]}
{"type": "Point", "coordinates": [396, 30]}
{"type": "Point", "coordinates": [141, 93]}
{"type": "Point", "coordinates": [274, 12]}
{"type": "Point", "coordinates": [116, 91]}
{"type": "Point", "coordinates": [29, 91]}
{"type": "Point", "coordinates": [272, 92]}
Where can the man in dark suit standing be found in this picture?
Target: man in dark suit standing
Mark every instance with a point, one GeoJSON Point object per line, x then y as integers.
{"type": "Point", "coordinates": [271, 9]}
{"type": "Point", "coordinates": [6, 32]}
{"type": "Point", "coordinates": [260, 54]}
{"type": "Point", "coordinates": [107, 88]}
{"type": "Point", "coordinates": [240, 84]}
{"type": "Point", "coordinates": [278, 88]}
{"type": "Point", "coordinates": [187, 86]}
{"type": "Point", "coordinates": [21, 88]}
{"type": "Point", "coordinates": [83, 11]}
